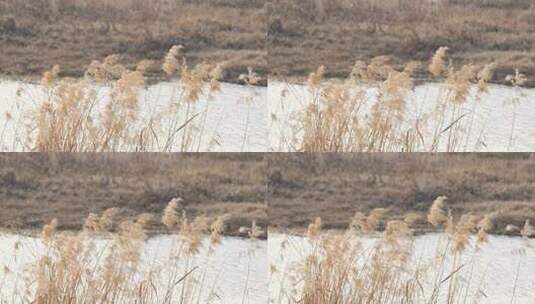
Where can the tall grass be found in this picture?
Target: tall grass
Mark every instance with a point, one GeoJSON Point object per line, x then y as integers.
{"type": "Point", "coordinates": [74, 268]}
{"type": "Point", "coordinates": [104, 111]}
{"type": "Point", "coordinates": [371, 111]}
{"type": "Point", "coordinates": [338, 268]}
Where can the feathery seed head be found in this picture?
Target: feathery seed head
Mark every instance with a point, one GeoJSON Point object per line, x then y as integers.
{"type": "Point", "coordinates": [315, 78]}
{"type": "Point", "coordinates": [484, 227]}
{"type": "Point", "coordinates": [438, 65]}
{"type": "Point", "coordinates": [314, 229]}
{"type": "Point", "coordinates": [50, 76]}
{"type": "Point", "coordinates": [528, 230]}
{"type": "Point", "coordinates": [437, 214]}
{"type": "Point", "coordinates": [49, 230]}
{"type": "Point", "coordinates": [171, 63]}
{"type": "Point", "coordinates": [170, 217]}
{"type": "Point", "coordinates": [216, 228]}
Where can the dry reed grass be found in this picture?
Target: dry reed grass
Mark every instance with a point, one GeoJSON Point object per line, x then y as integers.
{"type": "Point", "coordinates": [74, 268]}
{"type": "Point", "coordinates": [73, 115]}
{"type": "Point", "coordinates": [341, 116]}
{"type": "Point", "coordinates": [339, 268]}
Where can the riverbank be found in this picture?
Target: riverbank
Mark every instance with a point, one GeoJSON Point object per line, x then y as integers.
{"type": "Point", "coordinates": [416, 231]}
{"type": "Point", "coordinates": [303, 36]}
{"type": "Point", "coordinates": [35, 188]}
{"type": "Point", "coordinates": [150, 233]}
{"type": "Point", "coordinates": [232, 34]}
{"type": "Point", "coordinates": [336, 186]}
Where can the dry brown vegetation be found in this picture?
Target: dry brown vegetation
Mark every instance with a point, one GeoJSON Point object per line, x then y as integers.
{"type": "Point", "coordinates": [69, 115]}
{"type": "Point", "coordinates": [335, 186]}
{"type": "Point", "coordinates": [86, 268]}
{"type": "Point", "coordinates": [35, 188]}
{"type": "Point", "coordinates": [341, 116]}
{"type": "Point", "coordinates": [339, 268]}
{"type": "Point", "coordinates": [303, 34]}
{"type": "Point", "coordinates": [36, 35]}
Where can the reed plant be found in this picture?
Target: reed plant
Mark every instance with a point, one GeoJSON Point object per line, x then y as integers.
{"type": "Point", "coordinates": [338, 267]}
{"type": "Point", "coordinates": [107, 110]}
{"type": "Point", "coordinates": [74, 267]}
{"type": "Point", "coordinates": [374, 110]}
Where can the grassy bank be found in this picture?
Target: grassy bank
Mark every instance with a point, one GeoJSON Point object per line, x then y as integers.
{"type": "Point", "coordinates": [36, 35]}
{"type": "Point", "coordinates": [306, 34]}
{"type": "Point", "coordinates": [35, 188]}
{"type": "Point", "coordinates": [336, 186]}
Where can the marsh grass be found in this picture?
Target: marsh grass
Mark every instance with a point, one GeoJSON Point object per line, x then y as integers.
{"type": "Point", "coordinates": [337, 267]}
{"type": "Point", "coordinates": [105, 111]}
{"type": "Point", "coordinates": [75, 268]}
{"type": "Point", "coordinates": [372, 110]}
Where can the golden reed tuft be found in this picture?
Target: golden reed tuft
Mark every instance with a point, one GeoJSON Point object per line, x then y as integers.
{"type": "Point", "coordinates": [373, 110]}
{"type": "Point", "coordinates": [72, 268]}
{"type": "Point", "coordinates": [337, 268]}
